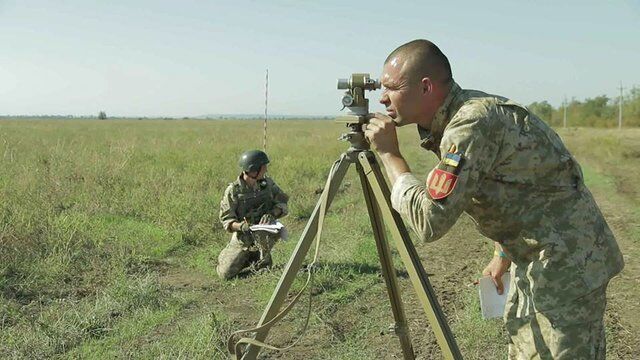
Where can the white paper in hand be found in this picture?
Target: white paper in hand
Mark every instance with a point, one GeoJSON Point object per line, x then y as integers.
{"type": "Point", "coordinates": [275, 228]}
{"type": "Point", "coordinates": [492, 304]}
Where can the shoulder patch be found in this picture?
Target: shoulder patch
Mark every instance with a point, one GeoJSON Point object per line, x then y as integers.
{"type": "Point", "coordinates": [440, 183]}
{"type": "Point", "coordinates": [452, 159]}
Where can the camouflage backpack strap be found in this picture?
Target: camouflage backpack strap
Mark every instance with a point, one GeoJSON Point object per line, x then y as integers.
{"type": "Point", "coordinates": [241, 198]}
{"type": "Point", "coordinates": [271, 202]}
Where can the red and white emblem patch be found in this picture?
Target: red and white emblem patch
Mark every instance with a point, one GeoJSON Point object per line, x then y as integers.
{"type": "Point", "coordinates": [440, 183]}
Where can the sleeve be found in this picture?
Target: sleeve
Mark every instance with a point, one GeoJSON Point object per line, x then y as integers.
{"type": "Point", "coordinates": [228, 209]}
{"type": "Point", "coordinates": [430, 214]}
{"type": "Point", "coordinates": [281, 200]}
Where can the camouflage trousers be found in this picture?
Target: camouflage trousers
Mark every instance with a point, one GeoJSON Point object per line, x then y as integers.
{"type": "Point", "coordinates": [574, 330]}
{"type": "Point", "coordinates": [243, 251]}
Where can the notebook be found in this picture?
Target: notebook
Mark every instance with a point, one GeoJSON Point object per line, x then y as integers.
{"type": "Point", "coordinates": [492, 304]}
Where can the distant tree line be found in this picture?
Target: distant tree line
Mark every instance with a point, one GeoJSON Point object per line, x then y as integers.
{"type": "Point", "coordinates": [600, 111]}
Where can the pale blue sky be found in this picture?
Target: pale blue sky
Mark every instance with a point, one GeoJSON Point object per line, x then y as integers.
{"type": "Point", "coordinates": [188, 58]}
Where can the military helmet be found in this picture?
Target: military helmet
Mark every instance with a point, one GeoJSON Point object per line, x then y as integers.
{"type": "Point", "coordinates": [252, 160]}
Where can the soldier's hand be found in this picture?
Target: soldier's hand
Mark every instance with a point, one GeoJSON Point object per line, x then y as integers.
{"type": "Point", "coordinates": [496, 268]}
{"type": "Point", "coordinates": [381, 133]}
{"type": "Point", "coordinates": [245, 228]}
{"type": "Point", "coordinates": [267, 219]}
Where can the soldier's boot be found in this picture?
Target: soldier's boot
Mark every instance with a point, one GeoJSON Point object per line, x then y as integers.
{"type": "Point", "coordinates": [264, 263]}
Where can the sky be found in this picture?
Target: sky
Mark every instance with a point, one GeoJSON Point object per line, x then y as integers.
{"type": "Point", "coordinates": [191, 58]}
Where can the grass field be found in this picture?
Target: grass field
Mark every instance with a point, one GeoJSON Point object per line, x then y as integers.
{"type": "Point", "coordinates": [109, 236]}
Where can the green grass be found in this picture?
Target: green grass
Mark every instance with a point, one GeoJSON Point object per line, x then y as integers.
{"type": "Point", "coordinates": [470, 324]}
{"type": "Point", "coordinates": [109, 236]}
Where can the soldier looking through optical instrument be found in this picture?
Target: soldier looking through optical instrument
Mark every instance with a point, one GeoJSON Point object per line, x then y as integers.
{"type": "Point", "coordinates": [512, 174]}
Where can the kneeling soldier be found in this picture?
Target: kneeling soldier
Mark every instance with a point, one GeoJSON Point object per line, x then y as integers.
{"type": "Point", "coordinates": [251, 199]}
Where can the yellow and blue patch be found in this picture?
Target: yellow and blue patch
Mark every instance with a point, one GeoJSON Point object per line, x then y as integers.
{"type": "Point", "coordinates": [452, 159]}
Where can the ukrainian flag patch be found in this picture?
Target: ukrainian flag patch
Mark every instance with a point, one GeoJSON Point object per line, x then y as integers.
{"type": "Point", "coordinates": [452, 159]}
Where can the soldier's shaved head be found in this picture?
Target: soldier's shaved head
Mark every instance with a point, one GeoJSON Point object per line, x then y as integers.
{"type": "Point", "coordinates": [422, 58]}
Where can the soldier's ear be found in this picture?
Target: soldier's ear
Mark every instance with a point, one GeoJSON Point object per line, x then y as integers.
{"type": "Point", "coordinates": [426, 85]}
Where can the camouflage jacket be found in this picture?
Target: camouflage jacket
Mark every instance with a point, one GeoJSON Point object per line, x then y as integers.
{"type": "Point", "coordinates": [512, 174]}
{"type": "Point", "coordinates": [241, 201]}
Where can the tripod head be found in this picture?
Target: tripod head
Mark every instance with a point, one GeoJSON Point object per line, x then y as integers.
{"type": "Point", "coordinates": [358, 108]}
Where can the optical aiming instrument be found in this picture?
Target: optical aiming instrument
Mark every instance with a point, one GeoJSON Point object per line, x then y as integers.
{"type": "Point", "coordinates": [357, 105]}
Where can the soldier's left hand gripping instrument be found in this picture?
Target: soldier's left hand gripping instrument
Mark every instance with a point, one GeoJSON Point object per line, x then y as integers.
{"type": "Point", "coordinates": [267, 219]}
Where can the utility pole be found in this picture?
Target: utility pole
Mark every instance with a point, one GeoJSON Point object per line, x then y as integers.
{"type": "Point", "coordinates": [620, 108]}
{"type": "Point", "coordinates": [266, 98]}
{"type": "Point", "coordinates": [564, 107]}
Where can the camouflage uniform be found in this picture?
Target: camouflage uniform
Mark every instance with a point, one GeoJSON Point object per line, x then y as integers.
{"type": "Point", "coordinates": [240, 202]}
{"type": "Point", "coordinates": [514, 177]}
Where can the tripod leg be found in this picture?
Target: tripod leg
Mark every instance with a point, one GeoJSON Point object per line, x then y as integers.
{"type": "Point", "coordinates": [297, 257]}
{"type": "Point", "coordinates": [410, 258]}
{"type": "Point", "coordinates": [386, 264]}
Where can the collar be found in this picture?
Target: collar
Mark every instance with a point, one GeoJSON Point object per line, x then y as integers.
{"type": "Point", "coordinates": [430, 138]}
{"type": "Point", "coordinates": [243, 183]}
